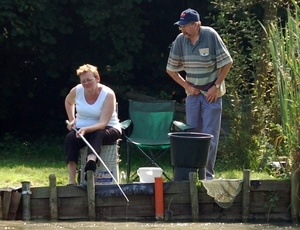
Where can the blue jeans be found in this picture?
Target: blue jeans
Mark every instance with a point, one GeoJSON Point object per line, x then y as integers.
{"type": "Point", "coordinates": [205, 117]}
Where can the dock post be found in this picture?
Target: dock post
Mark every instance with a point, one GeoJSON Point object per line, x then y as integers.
{"type": "Point", "coordinates": [159, 198]}
{"type": "Point", "coordinates": [246, 195]}
{"type": "Point", "coordinates": [91, 195]}
{"type": "Point", "coordinates": [53, 197]}
{"type": "Point", "coordinates": [194, 196]}
{"type": "Point", "coordinates": [26, 200]}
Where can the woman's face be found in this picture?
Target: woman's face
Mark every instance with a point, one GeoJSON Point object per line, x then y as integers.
{"type": "Point", "coordinates": [88, 80]}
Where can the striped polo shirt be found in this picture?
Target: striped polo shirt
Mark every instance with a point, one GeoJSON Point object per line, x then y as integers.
{"type": "Point", "coordinates": [202, 61]}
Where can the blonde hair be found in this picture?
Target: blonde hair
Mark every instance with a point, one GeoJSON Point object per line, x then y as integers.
{"type": "Point", "coordinates": [88, 68]}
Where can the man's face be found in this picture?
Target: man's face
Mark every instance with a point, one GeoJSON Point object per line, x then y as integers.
{"type": "Point", "coordinates": [188, 30]}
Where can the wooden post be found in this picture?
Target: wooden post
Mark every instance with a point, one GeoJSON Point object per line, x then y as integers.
{"type": "Point", "coordinates": [91, 195]}
{"type": "Point", "coordinates": [295, 203]}
{"type": "Point", "coordinates": [246, 195]}
{"type": "Point", "coordinates": [6, 204]}
{"type": "Point", "coordinates": [53, 198]}
{"type": "Point", "coordinates": [194, 196]}
{"type": "Point", "coordinates": [26, 200]}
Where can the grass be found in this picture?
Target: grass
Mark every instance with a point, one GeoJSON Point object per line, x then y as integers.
{"type": "Point", "coordinates": [23, 161]}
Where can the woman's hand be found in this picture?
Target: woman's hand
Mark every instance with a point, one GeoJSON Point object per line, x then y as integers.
{"type": "Point", "coordinates": [70, 125]}
{"type": "Point", "coordinates": [81, 131]}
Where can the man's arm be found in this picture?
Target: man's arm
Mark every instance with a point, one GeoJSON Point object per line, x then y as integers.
{"type": "Point", "coordinates": [181, 81]}
{"type": "Point", "coordinates": [213, 92]}
{"type": "Point", "coordinates": [223, 73]}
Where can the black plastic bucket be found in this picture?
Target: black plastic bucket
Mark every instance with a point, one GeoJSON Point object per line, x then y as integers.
{"type": "Point", "coordinates": [189, 152]}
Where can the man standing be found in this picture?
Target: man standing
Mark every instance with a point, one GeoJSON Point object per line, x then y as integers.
{"type": "Point", "coordinates": [200, 52]}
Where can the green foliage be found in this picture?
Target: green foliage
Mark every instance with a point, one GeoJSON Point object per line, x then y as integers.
{"type": "Point", "coordinates": [33, 150]}
{"type": "Point", "coordinates": [285, 49]}
{"type": "Point", "coordinates": [251, 107]}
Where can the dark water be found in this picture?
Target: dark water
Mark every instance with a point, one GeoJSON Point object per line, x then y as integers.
{"type": "Point", "coordinates": [18, 225]}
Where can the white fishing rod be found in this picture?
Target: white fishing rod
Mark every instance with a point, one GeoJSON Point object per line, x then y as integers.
{"type": "Point", "coordinates": [96, 154]}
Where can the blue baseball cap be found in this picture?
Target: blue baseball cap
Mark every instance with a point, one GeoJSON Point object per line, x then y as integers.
{"type": "Point", "coordinates": [187, 16]}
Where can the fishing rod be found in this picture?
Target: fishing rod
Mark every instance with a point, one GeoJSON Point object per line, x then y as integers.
{"type": "Point", "coordinates": [96, 154]}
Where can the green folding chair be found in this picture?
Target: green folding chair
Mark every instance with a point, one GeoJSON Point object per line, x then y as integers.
{"type": "Point", "coordinates": [147, 128]}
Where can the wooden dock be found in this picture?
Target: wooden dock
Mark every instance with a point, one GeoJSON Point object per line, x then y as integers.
{"type": "Point", "coordinates": [258, 200]}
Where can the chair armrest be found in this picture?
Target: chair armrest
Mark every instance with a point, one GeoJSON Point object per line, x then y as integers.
{"type": "Point", "coordinates": [182, 126]}
{"type": "Point", "coordinates": [125, 124]}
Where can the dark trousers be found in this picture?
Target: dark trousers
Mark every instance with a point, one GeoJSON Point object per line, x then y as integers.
{"type": "Point", "coordinates": [96, 140]}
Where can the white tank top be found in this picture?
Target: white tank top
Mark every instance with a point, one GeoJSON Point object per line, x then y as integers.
{"type": "Point", "coordinates": [87, 114]}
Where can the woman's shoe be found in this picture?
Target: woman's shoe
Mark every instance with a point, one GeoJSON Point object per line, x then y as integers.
{"type": "Point", "coordinates": [90, 166]}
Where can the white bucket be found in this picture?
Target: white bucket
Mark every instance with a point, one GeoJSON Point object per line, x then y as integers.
{"type": "Point", "coordinates": [147, 174]}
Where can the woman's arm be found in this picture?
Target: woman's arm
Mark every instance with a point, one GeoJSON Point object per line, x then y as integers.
{"type": "Point", "coordinates": [70, 107]}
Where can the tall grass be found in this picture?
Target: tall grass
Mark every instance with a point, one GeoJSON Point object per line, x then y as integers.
{"type": "Point", "coordinates": [285, 51]}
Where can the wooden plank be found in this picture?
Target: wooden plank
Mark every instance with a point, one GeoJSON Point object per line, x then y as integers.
{"type": "Point", "coordinates": [69, 213]}
{"type": "Point", "coordinates": [73, 208]}
{"type": "Point", "coordinates": [73, 202]}
{"type": "Point", "coordinates": [271, 217]}
{"type": "Point", "coordinates": [71, 191]}
{"type": "Point", "coordinates": [5, 204]}
{"type": "Point", "coordinates": [263, 207]}
{"type": "Point", "coordinates": [279, 194]}
{"type": "Point", "coordinates": [178, 187]}
{"type": "Point", "coordinates": [14, 204]}
{"type": "Point", "coordinates": [40, 208]}
{"type": "Point", "coordinates": [203, 197]}
{"type": "Point", "coordinates": [62, 191]}
{"type": "Point", "coordinates": [179, 199]}
{"type": "Point", "coordinates": [272, 185]}
{"type": "Point", "coordinates": [120, 201]}
{"type": "Point", "coordinates": [104, 212]}
{"type": "Point", "coordinates": [126, 212]}
{"type": "Point", "coordinates": [182, 210]}
{"type": "Point", "coordinates": [40, 192]}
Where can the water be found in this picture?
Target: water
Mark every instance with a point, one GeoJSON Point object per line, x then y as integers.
{"type": "Point", "coordinates": [111, 225]}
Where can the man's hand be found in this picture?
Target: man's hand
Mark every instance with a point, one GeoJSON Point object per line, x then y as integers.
{"type": "Point", "coordinates": [191, 90]}
{"type": "Point", "coordinates": [212, 94]}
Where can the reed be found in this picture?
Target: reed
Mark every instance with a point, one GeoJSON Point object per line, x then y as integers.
{"type": "Point", "coordinates": [284, 42]}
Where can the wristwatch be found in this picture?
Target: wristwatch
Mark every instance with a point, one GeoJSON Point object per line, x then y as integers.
{"type": "Point", "coordinates": [217, 86]}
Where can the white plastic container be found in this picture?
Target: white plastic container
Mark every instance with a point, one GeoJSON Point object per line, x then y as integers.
{"type": "Point", "coordinates": [147, 174]}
